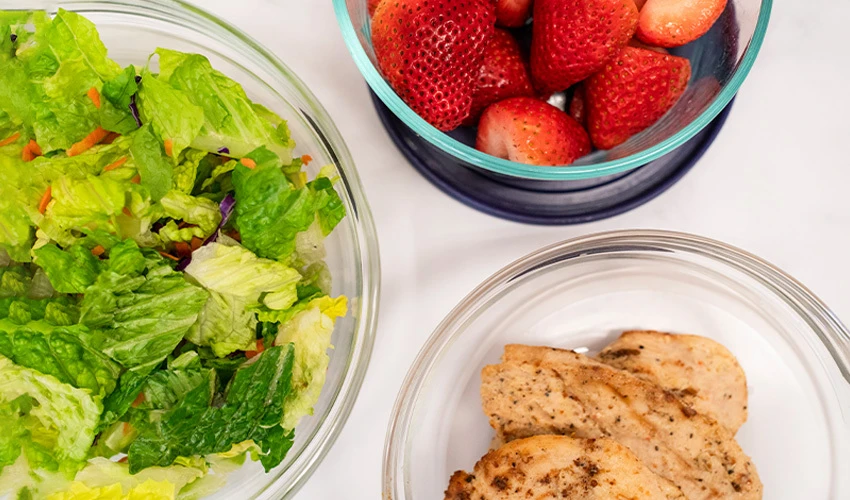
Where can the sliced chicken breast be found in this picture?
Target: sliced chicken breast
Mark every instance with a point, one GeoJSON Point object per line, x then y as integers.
{"type": "Point", "coordinates": [560, 467]}
{"type": "Point", "coordinates": [541, 390]}
{"type": "Point", "coordinates": [701, 372]}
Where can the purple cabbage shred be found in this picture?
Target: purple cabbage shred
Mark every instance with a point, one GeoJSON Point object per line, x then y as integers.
{"type": "Point", "coordinates": [134, 110]}
{"type": "Point", "coordinates": [223, 151]}
{"type": "Point", "coordinates": [14, 38]}
{"type": "Point", "coordinates": [226, 208]}
{"type": "Point", "coordinates": [138, 79]}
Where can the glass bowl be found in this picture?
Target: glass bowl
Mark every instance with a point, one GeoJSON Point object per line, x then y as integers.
{"type": "Point", "coordinates": [581, 294]}
{"type": "Point", "coordinates": [720, 61]}
{"type": "Point", "coordinates": [133, 29]}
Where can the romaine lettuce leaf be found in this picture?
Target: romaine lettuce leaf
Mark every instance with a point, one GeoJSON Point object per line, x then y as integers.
{"type": "Point", "coordinates": [155, 170]}
{"type": "Point", "coordinates": [200, 212]}
{"type": "Point", "coordinates": [310, 331]}
{"type": "Point", "coordinates": [170, 112]}
{"type": "Point", "coordinates": [252, 409]}
{"type": "Point", "coordinates": [55, 421]}
{"type": "Point", "coordinates": [230, 118]}
{"type": "Point", "coordinates": [225, 324]}
{"type": "Point", "coordinates": [186, 172]}
{"type": "Point", "coordinates": [70, 271]}
{"type": "Point", "coordinates": [148, 490]}
{"type": "Point", "coordinates": [165, 388]}
{"type": "Point", "coordinates": [93, 203]}
{"type": "Point", "coordinates": [235, 271]}
{"type": "Point", "coordinates": [270, 211]}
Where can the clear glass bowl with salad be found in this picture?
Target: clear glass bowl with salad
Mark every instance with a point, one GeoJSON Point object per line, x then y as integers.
{"type": "Point", "coordinates": [188, 268]}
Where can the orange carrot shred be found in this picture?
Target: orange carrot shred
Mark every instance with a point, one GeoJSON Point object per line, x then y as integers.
{"type": "Point", "coordinates": [183, 249]}
{"type": "Point", "coordinates": [115, 164]}
{"type": "Point", "coordinates": [94, 95]}
{"type": "Point", "coordinates": [169, 256]}
{"type": "Point", "coordinates": [137, 179]}
{"type": "Point", "coordinates": [260, 348]}
{"type": "Point", "coordinates": [9, 140]}
{"type": "Point", "coordinates": [110, 138]}
{"type": "Point", "coordinates": [91, 140]}
{"type": "Point", "coordinates": [45, 199]}
{"type": "Point", "coordinates": [306, 159]}
{"type": "Point", "coordinates": [196, 243]}
{"type": "Point", "coordinates": [126, 211]}
{"type": "Point", "coordinates": [31, 151]}
{"type": "Point", "coordinates": [249, 163]}
{"type": "Point", "coordinates": [169, 147]}
{"type": "Point", "coordinates": [98, 251]}
{"type": "Point", "coordinates": [123, 459]}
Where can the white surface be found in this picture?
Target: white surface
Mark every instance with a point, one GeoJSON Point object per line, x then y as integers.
{"type": "Point", "coordinates": [776, 183]}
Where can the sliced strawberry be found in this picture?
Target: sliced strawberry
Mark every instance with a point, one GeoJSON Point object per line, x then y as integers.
{"type": "Point", "coordinates": [578, 105]}
{"type": "Point", "coordinates": [631, 93]}
{"type": "Point", "coordinates": [671, 23]}
{"type": "Point", "coordinates": [504, 73]}
{"type": "Point", "coordinates": [513, 13]}
{"type": "Point", "coordinates": [640, 3]}
{"type": "Point", "coordinates": [528, 130]}
{"type": "Point", "coordinates": [431, 51]}
{"type": "Point", "coordinates": [573, 39]}
{"type": "Point", "coordinates": [373, 6]}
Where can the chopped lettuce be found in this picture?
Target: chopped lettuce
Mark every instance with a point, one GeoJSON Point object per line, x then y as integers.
{"type": "Point", "coordinates": [225, 324]}
{"type": "Point", "coordinates": [155, 170]}
{"type": "Point", "coordinates": [201, 213]}
{"type": "Point", "coordinates": [171, 113]}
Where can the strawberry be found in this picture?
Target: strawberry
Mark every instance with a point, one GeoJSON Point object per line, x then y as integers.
{"type": "Point", "coordinates": [578, 105]}
{"type": "Point", "coordinates": [373, 6]}
{"type": "Point", "coordinates": [513, 13]}
{"type": "Point", "coordinates": [671, 23]}
{"type": "Point", "coordinates": [431, 51]}
{"type": "Point", "coordinates": [504, 74]}
{"type": "Point", "coordinates": [640, 3]}
{"type": "Point", "coordinates": [572, 39]}
{"type": "Point", "coordinates": [631, 93]}
{"type": "Point", "coordinates": [528, 130]}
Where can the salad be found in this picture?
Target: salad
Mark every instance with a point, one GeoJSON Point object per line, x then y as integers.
{"type": "Point", "coordinates": [164, 305]}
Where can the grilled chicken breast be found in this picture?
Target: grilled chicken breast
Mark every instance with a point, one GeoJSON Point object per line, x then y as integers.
{"type": "Point", "coordinates": [560, 467]}
{"type": "Point", "coordinates": [701, 372]}
{"type": "Point", "coordinates": [541, 390]}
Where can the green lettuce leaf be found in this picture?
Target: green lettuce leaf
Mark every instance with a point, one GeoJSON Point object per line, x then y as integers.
{"type": "Point", "coordinates": [225, 324]}
{"type": "Point", "coordinates": [230, 119]}
{"type": "Point", "coordinates": [115, 114]}
{"type": "Point", "coordinates": [310, 331]}
{"type": "Point", "coordinates": [165, 388]}
{"type": "Point", "coordinates": [186, 172]}
{"type": "Point", "coordinates": [70, 271]}
{"type": "Point", "coordinates": [201, 212]}
{"type": "Point", "coordinates": [170, 112]}
{"type": "Point", "coordinates": [92, 203]}
{"type": "Point", "coordinates": [252, 410]}
{"type": "Point", "coordinates": [270, 211]}
{"type": "Point", "coordinates": [54, 422]}
{"type": "Point", "coordinates": [155, 169]}
{"type": "Point", "coordinates": [235, 271]}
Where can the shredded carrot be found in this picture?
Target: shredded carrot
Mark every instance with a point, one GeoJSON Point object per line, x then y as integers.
{"type": "Point", "coordinates": [196, 243]}
{"type": "Point", "coordinates": [183, 225]}
{"type": "Point", "coordinates": [98, 251]}
{"type": "Point", "coordinates": [123, 460]}
{"type": "Point", "coordinates": [45, 199]}
{"type": "Point", "coordinates": [169, 147]}
{"type": "Point", "coordinates": [117, 163]}
{"type": "Point", "coordinates": [260, 348]}
{"type": "Point", "coordinates": [183, 249]}
{"type": "Point", "coordinates": [235, 235]}
{"type": "Point", "coordinates": [110, 138]}
{"type": "Point", "coordinates": [249, 163]}
{"type": "Point", "coordinates": [126, 211]}
{"type": "Point", "coordinates": [31, 151]}
{"type": "Point", "coordinates": [94, 95]}
{"type": "Point", "coordinates": [137, 179]}
{"type": "Point", "coordinates": [9, 140]}
{"type": "Point", "coordinates": [169, 256]}
{"type": "Point", "coordinates": [306, 159]}
{"type": "Point", "coordinates": [139, 399]}
{"type": "Point", "coordinates": [91, 140]}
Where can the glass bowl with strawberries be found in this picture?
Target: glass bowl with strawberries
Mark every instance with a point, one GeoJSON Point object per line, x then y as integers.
{"type": "Point", "coordinates": [550, 111]}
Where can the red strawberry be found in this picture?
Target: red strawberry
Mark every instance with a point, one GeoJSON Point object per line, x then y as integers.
{"type": "Point", "coordinates": [633, 91]}
{"type": "Point", "coordinates": [504, 74]}
{"type": "Point", "coordinates": [578, 105]}
{"type": "Point", "coordinates": [671, 23]}
{"type": "Point", "coordinates": [373, 6]}
{"type": "Point", "coordinates": [640, 3]}
{"type": "Point", "coordinates": [634, 42]}
{"type": "Point", "coordinates": [513, 13]}
{"type": "Point", "coordinates": [528, 130]}
{"type": "Point", "coordinates": [431, 51]}
{"type": "Point", "coordinates": [573, 39]}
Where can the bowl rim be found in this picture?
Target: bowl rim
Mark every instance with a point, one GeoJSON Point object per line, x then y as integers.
{"type": "Point", "coordinates": [831, 331]}
{"type": "Point", "coordinates": [359, 213]}
{"type": "Point", "coordinates": [564, 172]}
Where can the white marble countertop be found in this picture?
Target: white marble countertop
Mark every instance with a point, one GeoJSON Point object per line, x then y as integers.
{"type": "Point", "coordinates": [776, 183]}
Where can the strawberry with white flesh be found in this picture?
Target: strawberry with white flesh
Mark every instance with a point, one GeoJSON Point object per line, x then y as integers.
{"type": "Point", "coordinates": [504, 74]}
{"type": "Point", "coordinates": [671, 23]}
{"type": "Point", "coordinates": [431, 51]}
{"type": "Point", "coordinates": [573, 39]}
{"type": "Point", "coordinates": [513, 13]}
{"type": "Point", "coordinates": [528, 130]}
{"type": "Point", "coordinates": [631, 93]}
